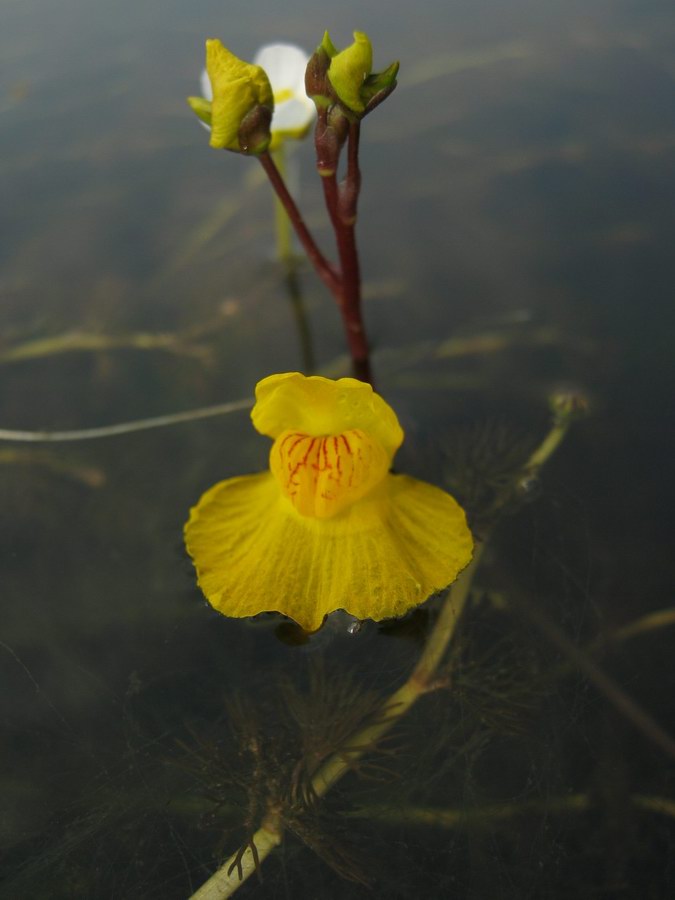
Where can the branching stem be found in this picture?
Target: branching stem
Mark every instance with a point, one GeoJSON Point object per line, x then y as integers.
{"type": "Point", "coordinates": [324, 268]}
{"type": "Point", "coordinates": [341, 203]}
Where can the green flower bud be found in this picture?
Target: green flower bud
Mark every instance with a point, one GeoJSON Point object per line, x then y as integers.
{"type": "Point", "coordinates": [241, 94]}
{"type": "Point", "coordinates": [317, 87]}
{"type": "Point", "coordinates": [328, 46]}
{"type": "Point", "coordinates": [201, 107]}
{"type": "Point", "coordinates": [349, 69]}
{"type": "Point", "coordinates": [345, 76]}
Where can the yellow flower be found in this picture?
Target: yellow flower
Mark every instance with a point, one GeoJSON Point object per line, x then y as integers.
{"type": "Point", "coordinates": [328, 527]}
{"type": "Point", "coordinates": [240, 112]}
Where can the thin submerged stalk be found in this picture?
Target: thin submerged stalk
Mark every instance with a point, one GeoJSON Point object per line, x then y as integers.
{"type": "Point", "coordinates": [299, 311]}
{"type": "Point", "coordinates": [282, 222]}
{"type": "Point", "coordinates": [487, 816]}
{"type": "Point", "coordinates": [289, 261]}
{"type": "Point", "coordinates": [419, 683]}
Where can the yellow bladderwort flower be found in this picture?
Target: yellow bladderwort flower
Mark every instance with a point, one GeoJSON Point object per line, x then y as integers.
{"type": "Point", "coordinates": [241, 105]}
{"type": "Point", "coordinates": [328, 527]}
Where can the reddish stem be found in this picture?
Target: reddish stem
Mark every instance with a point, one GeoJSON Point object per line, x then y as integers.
{"type": "Point", "coordinates": [352, 185]}
{"type": "Point", "coordinates": [341, 204]}
{"type": "Point", "coordinates": [345, 283]}
{"type": "Point", "coordinates": [326, 271]}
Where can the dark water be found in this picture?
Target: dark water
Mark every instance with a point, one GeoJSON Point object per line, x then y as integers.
{"type": "Point", "coordinates": [518, 198]}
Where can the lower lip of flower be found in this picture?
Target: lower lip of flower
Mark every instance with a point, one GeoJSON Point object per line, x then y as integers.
{"type": "Point", "coordinates": [322, 475]}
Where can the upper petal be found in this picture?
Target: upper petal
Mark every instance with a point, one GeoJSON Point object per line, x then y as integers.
{"type": "Point", "coordinates": [320, 406]}
{"type": "Point", "coordinates": [285, 65]}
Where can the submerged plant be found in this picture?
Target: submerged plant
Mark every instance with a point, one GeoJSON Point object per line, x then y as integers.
{"type": "Point", "coordinates": [328, 527]}
{"type": "Point", "coordinates": [426, 676]}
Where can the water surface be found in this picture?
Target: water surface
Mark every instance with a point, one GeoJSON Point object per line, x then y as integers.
{"type": "Point", "coordinates": [516, 236]}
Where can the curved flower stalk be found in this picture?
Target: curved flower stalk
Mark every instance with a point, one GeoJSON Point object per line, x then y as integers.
{"type": "Point", "coordinates": [284, 66]}
{"type": "Point", "coordinates": [328, 527]}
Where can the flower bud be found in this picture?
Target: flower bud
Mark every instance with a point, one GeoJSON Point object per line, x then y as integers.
{"type": "Point", "coordinates": [378, 86]}
{"type": "Point", "coordinates": [317, 86]}
{"type": "Point", "coordinates": [349, 69]}
{"type": "Point", "coordinates": [254, 131]}
{"type": "Point", "coordinates": [567, 404]}
{"type": "Point", "coordinates": [241, 110]}
{"type": "Point", "coordinates": [345, 76]}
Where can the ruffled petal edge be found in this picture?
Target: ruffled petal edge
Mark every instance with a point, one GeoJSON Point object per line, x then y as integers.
{"type": "Point", "coordinates": [384, 556]}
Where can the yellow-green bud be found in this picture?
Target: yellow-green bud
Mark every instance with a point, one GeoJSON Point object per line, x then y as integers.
{"type": "Point", "coordinates": [349, 69]}
{"type": "Point", "coordinates": [378, 86]}
{"type": "Point", "coordinates": [328, 46]}
{"type": "Point", "coordinates": [239, 88]}
{"type": "Point", "coordinates": [201, 107]}
{"type": "Point", "coordinates": [316, 73]}
{"type": "Point", "coordinates": [567, 404]}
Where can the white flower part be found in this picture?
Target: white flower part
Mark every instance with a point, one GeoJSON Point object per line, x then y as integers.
{"type": "Point", "coordinates": [207, 93]}
{"type": "Point", "coordinates": [205, 86]}
{"type": "Point", "coordinates": [285, 65]}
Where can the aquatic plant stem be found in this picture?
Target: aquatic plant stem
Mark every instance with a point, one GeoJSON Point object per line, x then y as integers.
{"type": "Point", "coordinates": [106, 431]}
{"type": "Point", "coordinates": [487, 816]}
{"type": "Point", "coordinates": [614, 693]}
{"type": "Point", "coordinates": [418, 684]}
{"type": "Point", "coordinates": [566, 407]}
{"type": "Point", "coordinates": [345, 285]}
{"type": "Point", "coordinates": [421, 679]}
{"type": "Point", "coordinates": [550, 444]}
{"type": "Point", "coordinates": [282, 223]}
{"type": "Point", "coordinates": [300, 316]}
{"type": "Point", "coordinates": [652, 621]}
{"type": "Point", "coordinates": [287, 258]}
{"type": "Point", "coordinates": [325, 270]}
{"type": "Point", "coordinates": [341, 203]}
